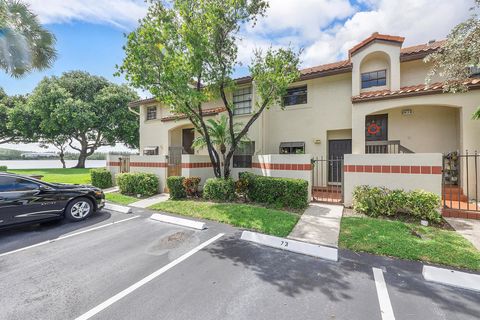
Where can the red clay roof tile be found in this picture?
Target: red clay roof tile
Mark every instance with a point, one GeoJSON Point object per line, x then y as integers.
{"type": "Point", "coordinates": [436, 87]}
{"type": "Point", "coordinates": [373, 37]}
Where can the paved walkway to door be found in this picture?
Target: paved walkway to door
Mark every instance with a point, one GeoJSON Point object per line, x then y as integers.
{"type": "Point", "coordinates": [319, 224]}
{"type": "Point", "coordinates": [468, 228]}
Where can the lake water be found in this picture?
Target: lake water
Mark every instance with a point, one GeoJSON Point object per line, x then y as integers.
{"type": "Point", "coordinates": [49, 164]}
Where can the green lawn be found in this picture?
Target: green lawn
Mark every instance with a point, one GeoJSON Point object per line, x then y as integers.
{"type": "Point", "coordinates": [120, 198]}
{"type": "Point", "coordinates": [395, 238]}
{"type": "Point", "coordinates": [73, 176]}
{"type": "Point", "coordinates": [269, 221]}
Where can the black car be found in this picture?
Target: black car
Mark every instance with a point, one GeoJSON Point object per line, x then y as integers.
{"type": "Point", "coordinates": [27, 200]}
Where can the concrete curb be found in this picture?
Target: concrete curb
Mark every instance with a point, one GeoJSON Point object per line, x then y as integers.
{"type": "Point", "coordinates": [454, 278]}
{"type": "Point", "coordinates": [179, 221]}
{"type": "Point", "coordinates": [117, 207]}
{"type": "Point", "coordinates": [309, 249]}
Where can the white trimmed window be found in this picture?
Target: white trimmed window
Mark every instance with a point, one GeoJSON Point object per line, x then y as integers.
{"type": "Point", "coordinates": [242, 101]}
{"type": "Point", "coordinates": [151, 113]}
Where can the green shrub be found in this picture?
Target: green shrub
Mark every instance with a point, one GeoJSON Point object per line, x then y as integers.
{"type": "Point", "coordinates": [375, 201]}
{"type": "Point", "coordinates": [176, 188]}
{"type": "Point", "coordinates": [101, 178]}
{"type": "Point", "coordinates": [280, 192]}
{"type": "Point", "coordinates": [424, 205]}
{"type": "Point", "coordinates": [219, 189]}
{"type": "Point", "coordinates": [191, 186]}
{"type": "Point", "coordinates": [144, 184]}
{"type": "Point", "coordinates": [3, 168]}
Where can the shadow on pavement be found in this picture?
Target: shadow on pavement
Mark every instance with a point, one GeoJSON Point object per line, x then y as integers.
{"type": "Point", "coordinates": [21, 236]}
{"type": "Point", "coordinates": [291, 273]}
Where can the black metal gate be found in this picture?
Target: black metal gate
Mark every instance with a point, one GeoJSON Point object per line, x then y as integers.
{"type": "Point", "coordinates": [460, 178]}
{"type": "Point", "coordinates": [327, 180]}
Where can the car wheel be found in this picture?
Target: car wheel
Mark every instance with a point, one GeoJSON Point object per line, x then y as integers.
{"type": "Point", "coordinates": [79, 209]}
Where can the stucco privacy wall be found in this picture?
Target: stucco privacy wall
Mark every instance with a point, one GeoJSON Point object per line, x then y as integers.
{"type": "Point", "coordinates": [297, 166]}
{"type": "Point", "coordinates": [197, 166]}
{"type": "Point", "coordinates": [394, 171]}
{"type": "Point", "coordinates": [149, 164]}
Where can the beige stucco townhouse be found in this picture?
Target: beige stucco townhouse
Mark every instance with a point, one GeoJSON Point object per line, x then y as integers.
{"type": "Point", "coordinates": [376, 101]}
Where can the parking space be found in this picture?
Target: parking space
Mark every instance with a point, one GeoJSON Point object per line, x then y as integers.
{"type": "Point", "coordinates": [109, 267]}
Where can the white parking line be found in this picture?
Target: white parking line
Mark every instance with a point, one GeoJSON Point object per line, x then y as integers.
{"type": "Point", "coordinates": [382, 293]}
{"type": "Point", "coordinates": [66, 236]}
{"type": "Point", "coordinates": [135, 286]}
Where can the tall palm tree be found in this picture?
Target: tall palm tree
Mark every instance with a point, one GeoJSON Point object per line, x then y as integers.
{"type": "Point", "coordinates": [219, 135]}
{"type": "Point", "coordinates": [24, 44]}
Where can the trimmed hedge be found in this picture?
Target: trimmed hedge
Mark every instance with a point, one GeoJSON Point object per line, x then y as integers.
{"type": "Point", "coordinates": [176, 188]}
{"type": "Point", "coordinates": [3, 168]}
{"type": "Point", "coordinates": [144, 184]}
{"type": "Point", "coordinates": [218, 189]}
{"type": "Point", "coordinates": [101, 178]}
{"type": "Point", "coordinates": [375, 201]}
{"type": "Point", "coordinates": [280, 192]}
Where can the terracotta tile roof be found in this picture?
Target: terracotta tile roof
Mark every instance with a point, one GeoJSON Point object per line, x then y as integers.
{"type": "Point", "coordinates": [138, 103]}
{"type": "Point", "coordinates": [419, 89]}
{"type": "Point", "coordinates": [344, 64]}
{"type": "Point", "coordinates": [373, 37]}
{"type": "Point", "coordinates": [206, 112]}
{"type": "Point", "coordinates": [406, 54]}
{"type": "Point", "coordinates": [423, 47]}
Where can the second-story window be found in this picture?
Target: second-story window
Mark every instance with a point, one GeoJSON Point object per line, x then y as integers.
{"type": "Point", "coordinates": [295, 96]}
{"type": "Point", "coordinates": [374, 79]}
{"type": "Point", "coordinates": [242, 100]}
{"type": "Point", "coordinates": [151, 113]}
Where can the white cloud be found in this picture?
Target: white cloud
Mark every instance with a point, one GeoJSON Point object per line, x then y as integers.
{"type": "Point", "coordinates": [121, 13]}
{"type": "Point", "coordinates": [327, 29]}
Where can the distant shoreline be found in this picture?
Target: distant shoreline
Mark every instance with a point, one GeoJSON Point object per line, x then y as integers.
{"type": "Point", "coordinates": [49, 164]}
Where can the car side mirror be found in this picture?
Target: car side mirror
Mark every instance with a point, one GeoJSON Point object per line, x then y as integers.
{"type": "Point", "coordinates": [44, 188]}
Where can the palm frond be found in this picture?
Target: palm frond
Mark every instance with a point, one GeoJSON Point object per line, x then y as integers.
{"type": "Point", "coordinates": [24, 44]}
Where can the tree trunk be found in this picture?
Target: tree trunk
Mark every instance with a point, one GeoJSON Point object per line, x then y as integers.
{"type": "Point", "coordinates": [81, 160]}
{"type": "Point", "coordinates": [62, 160]}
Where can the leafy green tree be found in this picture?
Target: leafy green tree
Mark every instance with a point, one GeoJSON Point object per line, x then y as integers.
{"type": "Point", "coordinates": [185, 51]}
{"type": "Point", "coordinates": [24, 44]}
{"type": "Point", "coordinates": [458, 55]}
{"type": "Point", "coordinates": [8, 129]}
{"type": "Point", "coordinates": [85, 110]}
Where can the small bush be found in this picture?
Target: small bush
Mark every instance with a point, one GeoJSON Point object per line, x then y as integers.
{"type": "Point", "coordinates": [176, 188]}
{"type": "Point", "coordinates": [241, 188]}
{"type": "Point", "coordinates": [424, 205]}
{"type": "Point", "coordinates": [191, 186]}
{"type": "Point", "coordinates": [280, 192]}
{"type": "Point", "coordinates": [3, 168]}
{"type": "Point", "coordinates": [144, 184]}
{"type": "Point", "coordinates": [101, 178]}
{"type": "Point", "coordinates": [219, 189]}
{"type": "Point", "coordinates": [375, 201]}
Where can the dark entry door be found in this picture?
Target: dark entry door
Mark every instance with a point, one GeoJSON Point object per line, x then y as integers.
{"type": "Point", "coordinates": [376, 127]}
{"type": "Point", "coordinates": [187, 139]}
{"type": "Point", "coordinates": [336, 151]}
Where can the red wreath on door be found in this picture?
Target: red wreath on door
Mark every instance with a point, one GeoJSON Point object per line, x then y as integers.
{"type": "Point", "coordinates": [373, 128]}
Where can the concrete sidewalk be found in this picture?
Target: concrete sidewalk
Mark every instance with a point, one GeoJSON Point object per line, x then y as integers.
{"type": "Point", "coordinates": [319, 224]}
{"type": "Point", "coordinates": [145, 203]}
{"type": "Point", "coordinates": [468, 228]}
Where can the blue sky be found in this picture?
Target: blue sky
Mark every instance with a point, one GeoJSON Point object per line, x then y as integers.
{"type": "Point", "coordinates": [90, 32]}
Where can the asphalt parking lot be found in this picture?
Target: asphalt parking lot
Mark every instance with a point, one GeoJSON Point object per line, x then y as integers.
{"type": "Point", "coordinates": [117, 266]}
